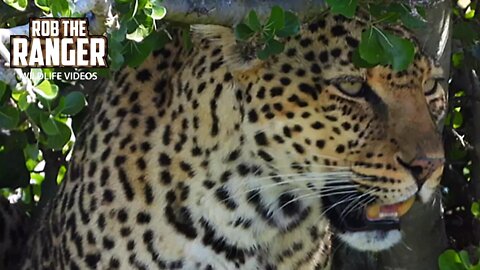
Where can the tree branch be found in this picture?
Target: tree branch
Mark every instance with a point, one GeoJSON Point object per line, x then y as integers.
{"type": "Point", "coordinates": [233, 11]}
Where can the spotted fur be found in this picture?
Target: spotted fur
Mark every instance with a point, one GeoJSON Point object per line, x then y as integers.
{"type": "Point", "coordinates": [14, 229]}
{"type": "Point", "coordinates": [207, 159]}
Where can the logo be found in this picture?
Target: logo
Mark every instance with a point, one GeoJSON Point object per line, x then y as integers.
{"type": "Point", "coordinates": [58, 43]}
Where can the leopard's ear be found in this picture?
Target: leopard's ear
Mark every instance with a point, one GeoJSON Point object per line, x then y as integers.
{"type": "Point", "coordinates": [239, 58]}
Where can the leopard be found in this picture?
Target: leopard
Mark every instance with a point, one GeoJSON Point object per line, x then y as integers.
{"type": "Point", "coordinates": [206, 157]}
{"type": "Point", "coordinates": [14, 231]}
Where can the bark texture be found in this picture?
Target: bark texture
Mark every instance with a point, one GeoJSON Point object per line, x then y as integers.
{"type": "Point", "coordinates": [230, 12]}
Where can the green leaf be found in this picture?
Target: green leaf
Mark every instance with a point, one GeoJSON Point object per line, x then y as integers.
{"type": "Point", "coordinates": [31, 164]}
{"type": "Point", "coordinates": [457, 59]}
{"type": "Point", "coordinates": [346, 8]}
{"type": "Point", "coordinates": [275, 47]}
{"type": "Point", "coordinates": [60, 8]}
{"type": "Point", "coordinates": [243, 32]}
{"type": "Point", "coordinates": [263, 54]}
{"type": "Point", "coordinates": [23, 101]}
{"type": "Point", "coordinates": [17, 4]}
{"type": "Point", "coordinates": [103, 72]}
{"type": "Point", "coordinates": [43, 5]}
{"type": "Point", "coordinates": [74, 103]}
{"type": "Point", "coordinates": [50, 125]}
{"type": "Point", "coordinates": [118, 35]}
{"type": "Point", "coordinates": [115, 54]}
{"type": "Point", "coordinates": [459, 93]}
{"type": "Point", "coordinates": [158, 11]}
{"type": "Point", "coordinates": [253, 22]}
{"type": "Point", "coordinates": [58, 109]}
{"type": "Point", "coordinates": [370, 48]}
{"type": "Point", "coordinates": [135, 6]}
{"type": "Point", "coordinates": [37, 178]}
{"type": "Point", "coordinates": [31, 151]}
{"type": "Point", "coordinates": [3, 89]}
{"type": "Point", "coordinates": [421, 11]}
{"type": "Point", "coordinates": [272, 47]}
{"type": "Point", "coordinates": [389, 17]}
{"type": "Point", "coordinates": [277, 18]}
{"type": "Point", "coordinates": [412, 22]}
{"type": "Point", "coordinates": [35, 113]}
{"type": "Point", "coordinates": [57, 141]}
{"type": "Point", "coordinates": [292, 25]}
{"type": "Point", "coordinates": [36, 75]}
{"type": "Point", "coordinates": [377, 10]}
{"type": "Point", "coordinates": [140, 33]}
{"type": "Point", "coordinates": [9, 117]}
{"type": "Point", "coordinates": [465, 259]}
{"type": "Point", "coordinates": [47, 90]}
{"type": "Point", "coordinates": [359, 62]}
{"type": "Point", "coordinates": [475, 209]}
{"type": "Point", "coordinates": [136, 53]}
{"type": "Point", "coordinates": [61, 174]}
{"type": "Point", "coordinates": [457, 119]}
{"type": "Point", "coordinates": [48, 72]}
{"type": "Point", "coordinates": [397, 8]}
{"type": "Point", "coordinates": [401, 51]}
{"type": "Point", "coordinates": [450, 260]}
{"type": "Point", "coordinates": [470, 13]}
{"type": "Point", "coordinates": [388, 14]}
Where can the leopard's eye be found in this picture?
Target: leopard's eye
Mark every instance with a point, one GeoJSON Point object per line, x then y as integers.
{"type": "Point", "coordinates": [351, 88]}
{"type": "Point", "coordinates": [430, 86]}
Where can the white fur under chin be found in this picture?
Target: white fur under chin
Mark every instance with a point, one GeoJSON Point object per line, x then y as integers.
{"type": "Point", "coordinates": [371, 240]}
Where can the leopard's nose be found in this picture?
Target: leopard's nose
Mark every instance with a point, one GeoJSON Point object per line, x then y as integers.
{"type": "Point", "coordinates": [421, 167]}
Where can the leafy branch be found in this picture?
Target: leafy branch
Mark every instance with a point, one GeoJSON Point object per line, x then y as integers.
{"type": "Point", "coordinates": [268, 35]}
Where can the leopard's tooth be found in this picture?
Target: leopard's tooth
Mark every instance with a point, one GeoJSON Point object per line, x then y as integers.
{"type": "Point", "coordinates": [405, 206]}
{"type": "Point", "coordinates": [373, 211]}
{"type": "Point", "coordinates": [388, 215]}
{"type": "Point", "coordinates": [378, 211]}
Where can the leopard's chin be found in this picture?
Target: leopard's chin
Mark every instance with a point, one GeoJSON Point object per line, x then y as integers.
{"type": "Point", "coordinates": [375, 240]}
{"type": "Point", "coordinates": [366, 226]}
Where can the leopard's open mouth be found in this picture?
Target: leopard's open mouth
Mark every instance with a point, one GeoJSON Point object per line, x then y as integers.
{"type": "Point", "coordinates": [348, 215]}
{"type": "Point", "coordinates": [377, 211]}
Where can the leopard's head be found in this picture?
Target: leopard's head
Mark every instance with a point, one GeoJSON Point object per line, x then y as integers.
{"type": "Point", "coordinates": [362, 142]}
